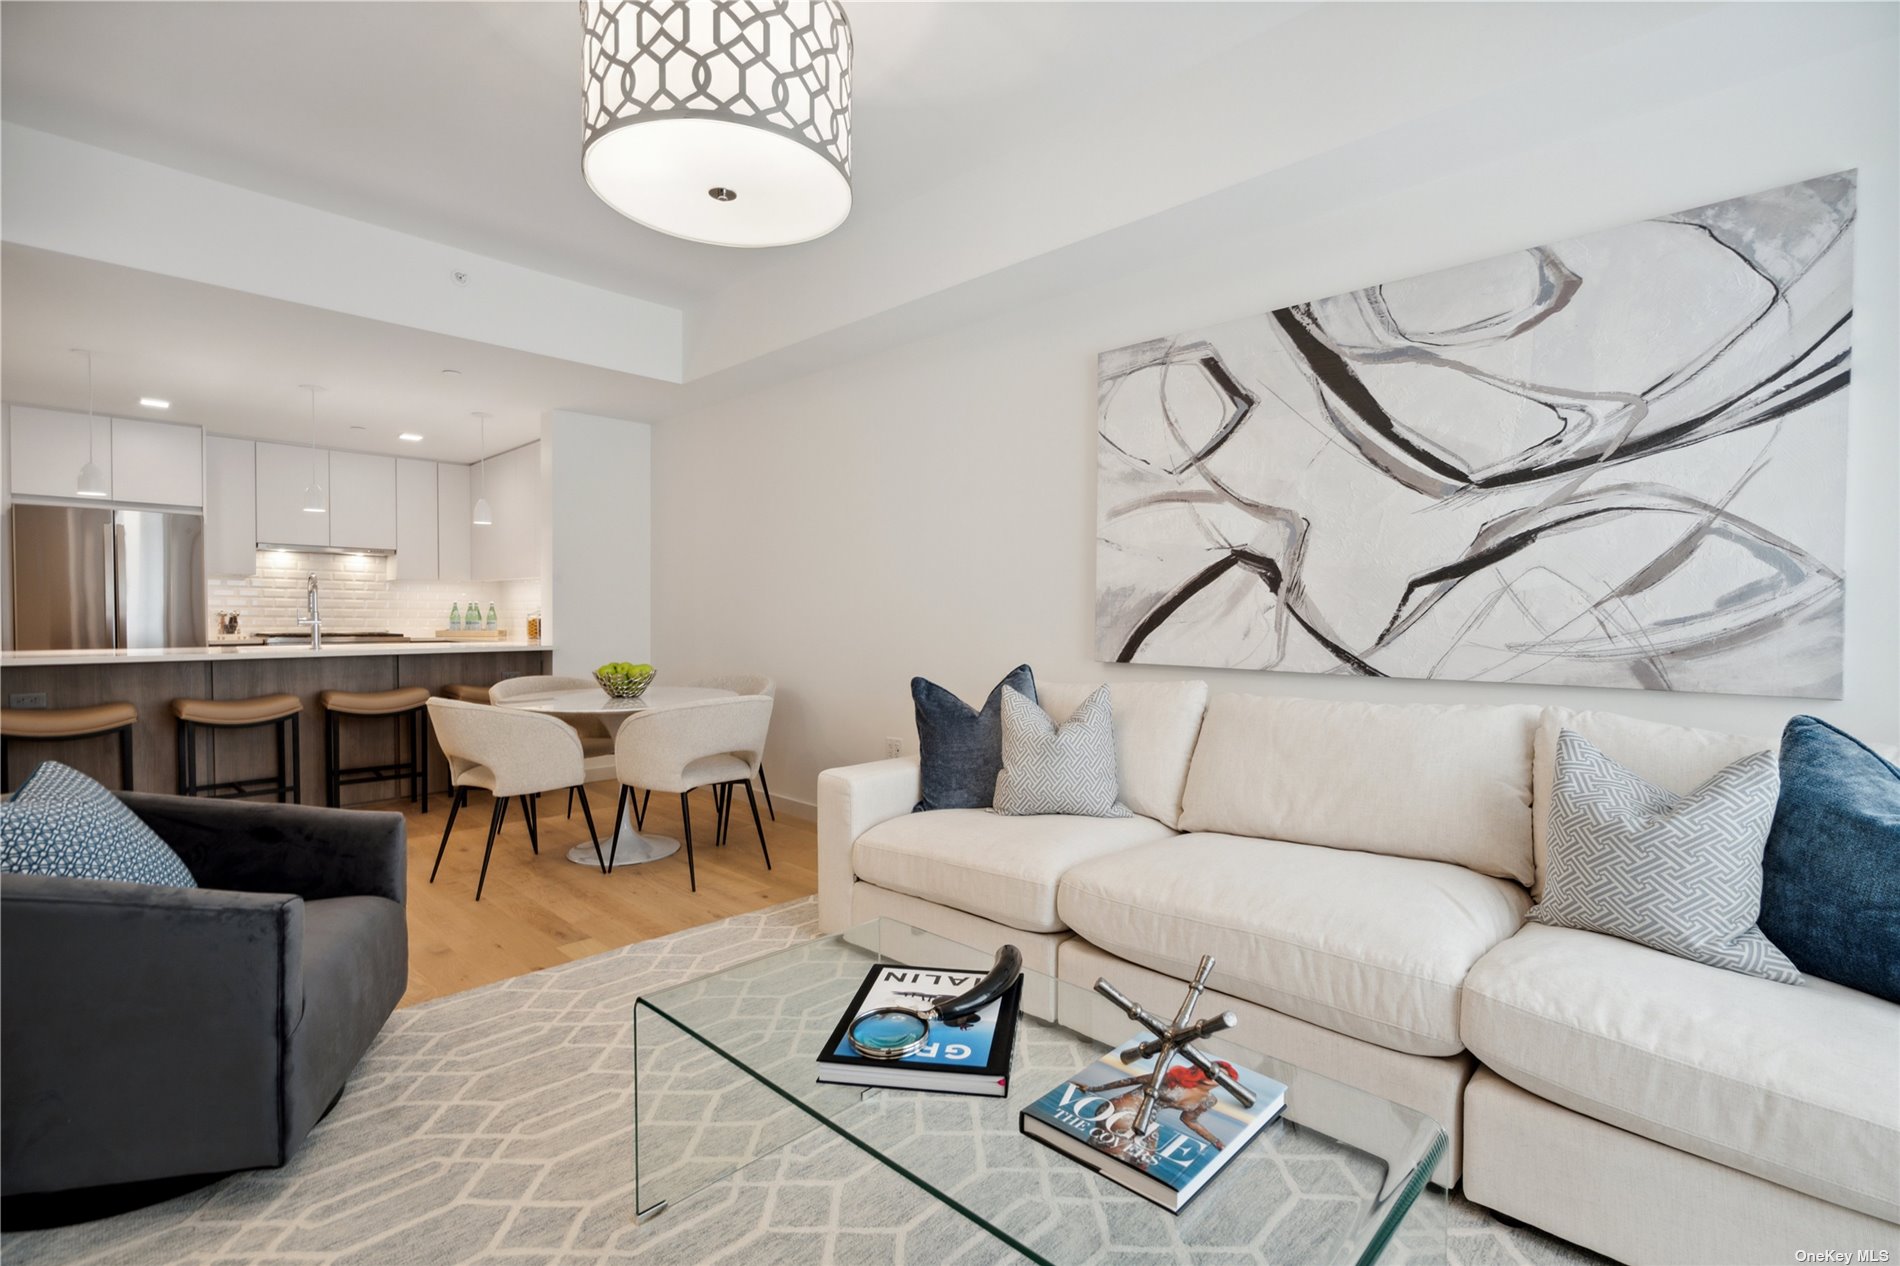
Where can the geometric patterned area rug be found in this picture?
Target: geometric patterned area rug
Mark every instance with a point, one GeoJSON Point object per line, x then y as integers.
{"type": "Point", "coordinates": [496, 1126]}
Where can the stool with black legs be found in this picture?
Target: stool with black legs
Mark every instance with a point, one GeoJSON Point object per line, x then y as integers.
{"type": "Point", "coordinates": [58, 725]}
{"type": "Point", "coordinates": [281, 712]}
{"type": "Point", "coordinates": [408, 709]}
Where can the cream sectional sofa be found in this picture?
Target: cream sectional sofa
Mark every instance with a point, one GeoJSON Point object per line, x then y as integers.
{"type": "Point", "coordinates": [1362, 873]}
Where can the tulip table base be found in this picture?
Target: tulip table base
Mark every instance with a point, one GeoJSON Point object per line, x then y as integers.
{"type": "Point", "coordinates": [636, 849]}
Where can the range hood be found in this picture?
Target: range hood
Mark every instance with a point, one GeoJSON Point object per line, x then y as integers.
{"type": "Point", "coordinates": [363, 551]}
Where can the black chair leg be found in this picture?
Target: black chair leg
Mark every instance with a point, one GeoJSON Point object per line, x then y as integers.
{"type": "Point", "coordinates": [588, 813]}
{"type": "Point", "coordinates": [766, 787]}
{"type": "Point", "coordinates": [620, 815]}
{"type": "Point", "coordinates": [570, 802]}
{"type": "Point", "coordinates": [280, 735]}
{"type": "Point", "coordinates": [494, 828]}
{"type": "Point", "coordinates": [332, 748]}
{"type": "Point", "coordinates": [125, 759]}
{"type": "Point", "coordinates": [533, 817]}
{"type": "Point", "coordinates": [295, 773]}
{"type": "Point", "coordinates": [181, 733]}
{"type": "Point", "coordinates": [640, 811]}
{"type": "Point", "coordinates": [719, 816]}
{"type": "Point", "coordinates": [758, 825]}
{"type": "Point", "coordinates": [191, 761]}
{"type": "Point", "coordinates": [455, 806]}
{"type": "Point", "coordinates": [686, 816]}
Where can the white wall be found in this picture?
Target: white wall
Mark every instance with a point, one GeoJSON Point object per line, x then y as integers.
{"type": "Point", "coordinates": [598, 575]}
{"type": "Point", "coordinates": [930, 509]}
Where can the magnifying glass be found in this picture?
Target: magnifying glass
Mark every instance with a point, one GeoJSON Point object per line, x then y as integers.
{"type": "Point", "coordinates": [894, 1032]}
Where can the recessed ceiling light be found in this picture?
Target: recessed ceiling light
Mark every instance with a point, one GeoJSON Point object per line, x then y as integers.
{"type": "Point", "coordinates": [153, 402]}
{"type": "Point", "coordinates": [411, 437]}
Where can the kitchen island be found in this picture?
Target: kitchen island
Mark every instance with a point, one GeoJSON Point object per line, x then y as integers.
{"type": "Point", "coordinates": [151, 679]}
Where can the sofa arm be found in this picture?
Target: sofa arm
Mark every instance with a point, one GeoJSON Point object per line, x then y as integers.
{"type": "Point", "coordinates": [852, 800]}
{"type": "Point", "coordinates": [248, 847]}
{"type": "Point", "coordinates": [143, 1030]}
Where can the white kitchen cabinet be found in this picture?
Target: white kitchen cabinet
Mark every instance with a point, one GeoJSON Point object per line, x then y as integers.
{"type": "Point", "coordinates": [230, 506]}
{"type": "Point", "coordinates": [362, 501]}
{"type": "Point", "coordinates": [283, 472]}
{"type": "Point", "coordinates": [453, 506]}
{"type": "Point", "coordinates": [48, 446]}
{"type": "Point", "coordinates": [157, 463]}
{"type": "Point", "coordinates": [418, 526]}
{"type": "Point", "coordinates": [510, 547]}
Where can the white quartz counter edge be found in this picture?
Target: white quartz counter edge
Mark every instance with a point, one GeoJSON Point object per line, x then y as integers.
{"type": "Point", "coordinates": [201, 654]}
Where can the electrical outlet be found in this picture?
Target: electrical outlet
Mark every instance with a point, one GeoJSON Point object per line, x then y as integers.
{"type": "Point", "coordinates": [35, 700]}
{"type": "Point", "coordinates": [892, 746]}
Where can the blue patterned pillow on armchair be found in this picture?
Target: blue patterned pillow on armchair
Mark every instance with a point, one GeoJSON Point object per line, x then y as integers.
{"type": "Point", "coordinates": [61, 822]}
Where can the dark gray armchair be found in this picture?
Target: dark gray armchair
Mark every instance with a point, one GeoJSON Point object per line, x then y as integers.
{"type": "Point", "coordinates": [150, 1033]}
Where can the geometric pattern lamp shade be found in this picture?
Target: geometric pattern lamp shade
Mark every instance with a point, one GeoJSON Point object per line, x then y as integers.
{"type": "Point", "coordinates": [719, 121]}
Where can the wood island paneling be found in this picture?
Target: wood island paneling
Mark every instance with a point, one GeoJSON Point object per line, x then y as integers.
{"type": "Point", "coordinates": [229, 754]}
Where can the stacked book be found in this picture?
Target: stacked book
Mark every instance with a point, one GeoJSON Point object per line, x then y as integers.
{"type": "Point", "coordinates": [965, 1057]}
{"type": "Point", "coordinates": [1199, 1129]}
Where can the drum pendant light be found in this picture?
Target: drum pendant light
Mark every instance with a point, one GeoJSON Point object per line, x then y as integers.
{"type": "Point", "coordinates": [719, 121]}
{"type": "Point", "coordinates": [92, 480]}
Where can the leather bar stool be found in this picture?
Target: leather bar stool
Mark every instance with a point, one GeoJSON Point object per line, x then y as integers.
{"type": "Point", "coordinates": [284, 712]}
{"type": "Point", "coordinates": [408, 703]}
{"type": "Point", "coordinates": [57, 725]}
{"type": "Point", "coordinates": [467, 694]}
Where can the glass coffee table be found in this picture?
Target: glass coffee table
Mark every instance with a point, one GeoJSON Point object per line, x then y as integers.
{"type": "Point", "coordinates": [725, 1073]}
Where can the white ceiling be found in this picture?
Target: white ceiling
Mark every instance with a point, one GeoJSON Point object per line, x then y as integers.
{"type": "Point", "coordinates": [231, 362]}
{"type": "Point", "coordinates": [460, 122]}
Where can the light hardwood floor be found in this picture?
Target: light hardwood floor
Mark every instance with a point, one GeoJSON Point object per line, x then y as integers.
{"type": "Point", "coordinates": [538, 911]}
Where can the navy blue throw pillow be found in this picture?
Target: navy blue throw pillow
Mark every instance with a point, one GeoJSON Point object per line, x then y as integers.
{"type": "Point", "coordinates": [61, 822]}
{"type": "Point", "coordinates": [960, 750]}
{"type": "Point", "coordinates": [1830, 894]}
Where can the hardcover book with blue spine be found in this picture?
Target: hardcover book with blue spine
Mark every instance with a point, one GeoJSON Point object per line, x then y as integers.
{"type": "Point", "coordinates": [1197, 1130]}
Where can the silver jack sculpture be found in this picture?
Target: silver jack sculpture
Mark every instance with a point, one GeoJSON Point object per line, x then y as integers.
{"type": "Point", "coordinates": [1172, 1040]}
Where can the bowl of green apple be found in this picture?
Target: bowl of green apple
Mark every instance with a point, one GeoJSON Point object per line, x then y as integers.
{"type": "Point", "coordinates": [623, 680]}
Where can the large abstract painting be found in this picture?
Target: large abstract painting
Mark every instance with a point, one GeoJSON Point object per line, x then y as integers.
{"type": "Point", "coordinates": [1619, 460]}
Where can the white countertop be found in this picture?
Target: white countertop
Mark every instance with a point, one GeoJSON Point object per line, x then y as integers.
{"type": "Point", "coordinates": [199, 654]}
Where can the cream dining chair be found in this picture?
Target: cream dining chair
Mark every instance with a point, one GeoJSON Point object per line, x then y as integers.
{"type": "Point", "coordinates": [749, 684]}
{"type": "Point", "coordinates": [512, 754]}
{"type": "Point", "coordinates": [713, 743]}
{"type": "Point", "coordinates": [597, 742]}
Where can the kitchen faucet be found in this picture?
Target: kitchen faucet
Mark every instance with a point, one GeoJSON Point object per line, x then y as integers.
{"type": "Point", "coordinates": [314, 620]}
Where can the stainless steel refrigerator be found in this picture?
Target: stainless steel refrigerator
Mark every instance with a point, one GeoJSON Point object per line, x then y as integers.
{"type": "Point", "coordinates": [96, 579]}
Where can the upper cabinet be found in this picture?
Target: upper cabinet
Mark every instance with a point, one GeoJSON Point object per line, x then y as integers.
{"type": "Point", "coordinates": [510, 547]}
{"type": "Point", "coordinates": [230, 506]}
{"type": "Point", "coordinates": [283, 472]}
{"type": "Point", "coordinates": [417, 524]}
{"type": "Point", "coordinates": [48, 446]}
{"type": "Point", "coordinates": [362, 501]}
{"type": "Point", "coordinates": [453, 506]}
{"type": "Point", "coordinates": [144, 462]}
{"type": "Point", "coordinates": [157, 463]}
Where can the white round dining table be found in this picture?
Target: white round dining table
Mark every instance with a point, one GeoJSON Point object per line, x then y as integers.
{"type": "Point", "coordinates": [634, 847]}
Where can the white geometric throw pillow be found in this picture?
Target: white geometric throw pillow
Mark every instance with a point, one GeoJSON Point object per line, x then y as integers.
{"type": "Point", "coordinates": [1066, 769]}
{"type": "Point", "coordinates": [1681, 874]}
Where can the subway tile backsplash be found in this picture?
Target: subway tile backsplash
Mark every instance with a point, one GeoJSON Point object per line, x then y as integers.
{"type": "Point", "coordinates": [358, 595]}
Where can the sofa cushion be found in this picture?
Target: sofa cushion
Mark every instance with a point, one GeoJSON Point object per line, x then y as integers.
{"type": "Point", "coordinates": [1674, 757]}
{"type": "Point", "coordinates": [1681, 874]}
{"type": "Point", "coordinates": [1831, 874]}
{"type": "Point", "coordinates": [1051, 768]}
{"type": "Point", "coordinates": [1156, 724]}
{"type": "Point", "coordinates": [62, 823]}
{"type": "Point", "coordinates": [1800, 1086]}
{"type": "Point", "coordinates": [1446, 784]}
{"type": "Point", "coordinates": [985, 863]}
{"type": "Point", "coordinates": [1374, 947]}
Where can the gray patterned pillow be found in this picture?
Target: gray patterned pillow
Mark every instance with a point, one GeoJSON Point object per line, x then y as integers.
{"type": "Point", "coordinates": [61, 822]}
{"type": "Point", "coordinates": [1070, 769]}
{"type": "Point", "coordinates": [1681, 874]}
